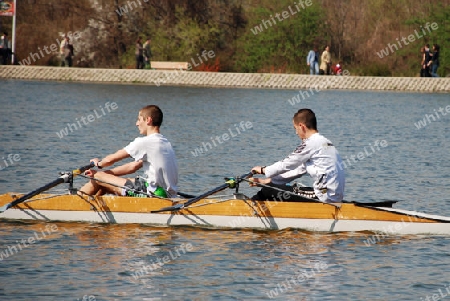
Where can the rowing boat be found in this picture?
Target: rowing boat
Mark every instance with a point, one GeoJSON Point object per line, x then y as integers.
{"type": "Point", "coordinates": [229, 212]}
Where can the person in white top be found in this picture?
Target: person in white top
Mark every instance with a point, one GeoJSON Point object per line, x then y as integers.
{"type": "Point", "coordinates": [153, 152]}
{"type": "Point", "coordinates": [62, 47]}
{"type": "Point", "coordinates": [316, 155]}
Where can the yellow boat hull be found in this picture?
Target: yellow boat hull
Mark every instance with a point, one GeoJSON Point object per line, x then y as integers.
{"type": "Point", "coordinates": [228, 213]}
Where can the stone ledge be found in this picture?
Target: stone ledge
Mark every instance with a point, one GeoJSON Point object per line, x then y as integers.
{"type": "Point", "coordinates": [231, 80]}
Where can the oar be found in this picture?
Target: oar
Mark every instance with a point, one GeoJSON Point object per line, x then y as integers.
{"type": "Point", "coordinates": [62, 179]}
{"type": "Point", "coordinates": [185, 195]}
{"type": "Point", "coordinates": [180, 206]}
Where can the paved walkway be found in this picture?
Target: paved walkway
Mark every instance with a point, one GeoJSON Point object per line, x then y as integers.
{"type": "Point", "coordinates": [218, 79]}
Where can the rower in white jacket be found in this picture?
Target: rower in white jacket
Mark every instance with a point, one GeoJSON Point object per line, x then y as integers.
{"type": "Point", "coordinates": [316, 155]}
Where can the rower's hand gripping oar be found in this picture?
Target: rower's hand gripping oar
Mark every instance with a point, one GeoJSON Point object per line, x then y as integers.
{"type": "Point", "coordinates": [230, 183]}
{"type": "Point", "coordinates": [64, 178]}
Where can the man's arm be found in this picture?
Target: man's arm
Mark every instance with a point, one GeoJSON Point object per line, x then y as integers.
{"type": "Point", "coordinates": [294, 161]}
{"type": "Point", "coordinates": [127, 168]}
{"type": "Point", "coordinates": [111, 159]}
{"type": "Point", "coordinates": [121, 170]}
{"type": "Point", "coordinates": [282, 178]}
{"type": "Point", "coordinates": [289, 176]}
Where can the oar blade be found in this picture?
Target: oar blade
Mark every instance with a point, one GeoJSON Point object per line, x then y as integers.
{"type": "Point", "coordinates": [5, 207]}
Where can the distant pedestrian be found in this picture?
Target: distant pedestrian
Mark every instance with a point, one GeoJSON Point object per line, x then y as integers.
{"type": "Point", "coordinates": [139, 54]}
{"type": "Point", "coordinates": [4, 48]}
{"type": "Point", "coordinates": [435, 61]}
{"type": "Point", "coordinates": [337, 70]}
{"type": "Point", "coordinates": [422, 62]}
{"type": "Point", "coordinates": [312, 60]}
{"type": "Point", "coordinates": [426, 61]}
{"type": "Point", "coordinates": [325, 61]}
{"type": "Point", "coordinates": [68, 54]}
{"type": "Point", "coordinates": [148, 54]}
{"type": "Point", "coordinates": [62, 50]}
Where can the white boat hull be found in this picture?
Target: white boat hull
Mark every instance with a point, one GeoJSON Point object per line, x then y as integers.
{"type": "Point", "coordinates": [219, 221]}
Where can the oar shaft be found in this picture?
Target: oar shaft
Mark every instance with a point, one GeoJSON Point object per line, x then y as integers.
{"type": "Point", "coordinates": [61, 179]}
{"type": "Point", "coordinates": [198, 198]}
{"type": "Point", "coordinates": [215, 190]}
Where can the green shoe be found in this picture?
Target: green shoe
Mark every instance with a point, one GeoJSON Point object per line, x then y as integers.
{"type": "Point", "coordinates": [160, 192]}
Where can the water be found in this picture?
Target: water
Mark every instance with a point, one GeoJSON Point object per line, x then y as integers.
{"type": "Point", "coordinates": [74, 261]}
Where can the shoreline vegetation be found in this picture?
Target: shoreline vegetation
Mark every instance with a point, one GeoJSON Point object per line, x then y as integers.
{"type": "Point", "coordinates": [371, 38]}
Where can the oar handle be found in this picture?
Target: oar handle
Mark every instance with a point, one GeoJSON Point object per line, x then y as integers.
{"type": "Point", "coordinates": [82, 169]}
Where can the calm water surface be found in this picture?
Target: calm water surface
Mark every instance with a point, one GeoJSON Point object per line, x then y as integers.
{"type": "Point", "coordinates": [71, 261]}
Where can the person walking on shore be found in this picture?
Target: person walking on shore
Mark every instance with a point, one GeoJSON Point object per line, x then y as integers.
{"type": "Point", "coordinates": [139, 54]}
{"type": "Point", "coordinates": [325, 61]}
{"type": "Point", "coordinates": [435, 61]}
{"type": "Point", "coordinates": [426, 61]}
{"type": "Point", "coordinates": [62, 50]}
{"type": "Point", "coordinates": [312, 60]}
{"type": "Point", "coordinates": [148, 54]}
{"type": "Point", "coordinates": [4, 48]}
{"type": "Point", "coordinates": [68, 54]}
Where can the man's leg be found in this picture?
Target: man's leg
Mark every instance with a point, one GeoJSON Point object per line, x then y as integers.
{"type": "Point", "coordinates": [434, 70]}
{"type": "Point", "coordinates": [93, 187]}
{"type": "Point", "coordinates": [290, 194]}
{"type": "Point", "coordinates": [4, 57]}
{"type": "Point", "coordinates": [270, 194]}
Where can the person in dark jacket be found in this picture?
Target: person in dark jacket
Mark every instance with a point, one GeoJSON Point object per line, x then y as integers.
{"type": "Point", "coordinates": [139, 54]}
{"type": "Point", "coordinates": [435, 61]}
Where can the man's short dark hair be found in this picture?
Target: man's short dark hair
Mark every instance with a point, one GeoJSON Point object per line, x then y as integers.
{"type": "Point", "coordinates": [307, 117]}
{"type": "Point", "coordinates": [154, 112]}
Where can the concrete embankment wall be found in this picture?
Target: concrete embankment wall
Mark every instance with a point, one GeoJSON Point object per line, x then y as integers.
{"type": "Point", "coordinates": [232, 80]}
